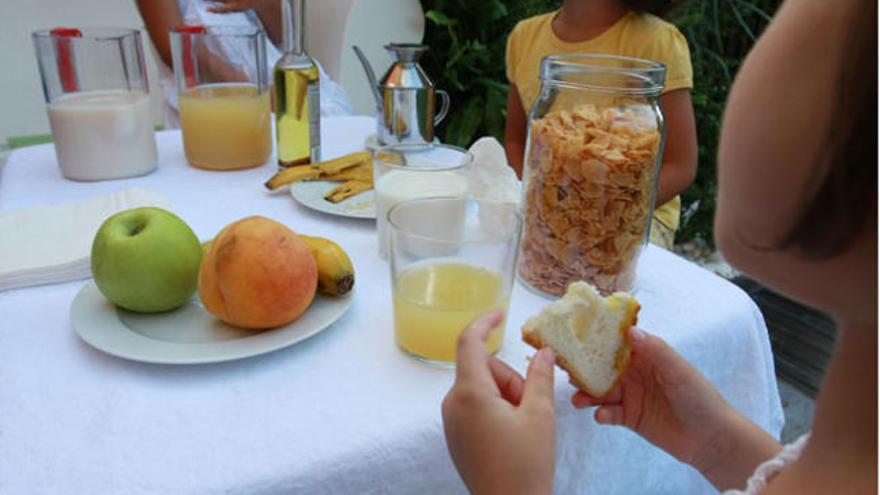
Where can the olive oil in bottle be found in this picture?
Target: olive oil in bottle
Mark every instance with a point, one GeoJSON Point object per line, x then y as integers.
{"type": "Point", "coordinates": [297, 106]}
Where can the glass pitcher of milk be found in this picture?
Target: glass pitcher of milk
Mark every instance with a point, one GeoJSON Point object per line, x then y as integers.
{"type": "Point", "coordinates": [415, 171]}
{"type": "Point", "coordinates": [97, 95]}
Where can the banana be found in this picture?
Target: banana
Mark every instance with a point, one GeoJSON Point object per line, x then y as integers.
{"type": "Point", "coordinates": [346, 190]}
{"type": "Point", "coordinates": [317, 171]}
{"type": "Point", "coordinates": [343, 162]}
{"type": "Point", "coordinates": [291, 175]}
{"type": "Point", "coordinates": [335, 271]}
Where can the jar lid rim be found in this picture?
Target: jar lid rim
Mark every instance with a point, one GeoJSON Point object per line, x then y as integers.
{"type": "Point", "coordinates": [652, 73]}
{"type": "Point", "coordinates": [582, 60]}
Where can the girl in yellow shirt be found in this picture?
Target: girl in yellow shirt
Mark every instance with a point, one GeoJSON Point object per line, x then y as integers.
{"type": "Point", "coordinates": [615, 27]}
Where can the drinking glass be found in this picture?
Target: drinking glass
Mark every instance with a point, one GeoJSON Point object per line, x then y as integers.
{"type": "Point", "coordinates": [443, 278]}
{"type": "Point", "coordinates": [223, 97]}
{"type": "Point", "coordinates": [97, 96]}
{"type": "Point", "coordinates": [411, 171]}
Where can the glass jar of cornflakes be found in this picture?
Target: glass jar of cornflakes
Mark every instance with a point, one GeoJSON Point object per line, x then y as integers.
{"type": "Point", "coordinates": [592, 158]}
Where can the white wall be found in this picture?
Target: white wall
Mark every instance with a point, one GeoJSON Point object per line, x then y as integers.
{"type": "Point", "coordinates": [22, 107]}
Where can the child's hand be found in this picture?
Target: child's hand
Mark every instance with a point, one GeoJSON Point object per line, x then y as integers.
{"type": "Point", "coordinates": [500, 429]}
{"type": "Point", "coordinates": [667, 401]}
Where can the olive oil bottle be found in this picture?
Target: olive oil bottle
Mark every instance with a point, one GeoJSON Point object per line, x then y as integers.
{"type": "Point", "coordinates": [297, 105]}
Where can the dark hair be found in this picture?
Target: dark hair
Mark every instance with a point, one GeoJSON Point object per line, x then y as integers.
{"type": "Point", "coordinates": [657, 7]}
{"type": "Point", "coordinates": [846, 200]}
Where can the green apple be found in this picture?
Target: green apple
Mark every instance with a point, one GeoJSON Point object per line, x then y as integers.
{"type": "Point", "coordinates": [146, 260]}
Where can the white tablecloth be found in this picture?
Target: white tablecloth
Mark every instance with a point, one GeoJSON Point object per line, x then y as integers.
{"type": "Point", "coordinates": [343, 412]}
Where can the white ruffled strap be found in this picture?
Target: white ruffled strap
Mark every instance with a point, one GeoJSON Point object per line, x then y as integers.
{"type": "Point", "coordinates": [766, 471]}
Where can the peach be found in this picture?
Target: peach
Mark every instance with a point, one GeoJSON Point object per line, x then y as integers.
{"type": "Point", "coordinates": [257, 274]}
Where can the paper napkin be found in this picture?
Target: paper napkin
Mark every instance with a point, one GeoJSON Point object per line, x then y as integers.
{"type": "Point", "coordinates": [492, 179]}
{"type": "Point", "coordinates": [51, 244]}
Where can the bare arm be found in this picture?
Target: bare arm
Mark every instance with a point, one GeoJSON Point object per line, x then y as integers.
{"type": "Point", "coordinates": [515, 131]}
{"type": "Point", "coordinates": [733, 456]}
{"type": "Point", "coordinates": [269, 12]}
{"type": "Point", "coordinates": [159, 17]}
{"type": "Point", "coordinates": [775, 129]}
{"type": "Point", "coordinates": [680, 156]}
{"type": "Point", "coordinates": [672, 405]}
{"type": "Point", "coordinates": [770, 132]}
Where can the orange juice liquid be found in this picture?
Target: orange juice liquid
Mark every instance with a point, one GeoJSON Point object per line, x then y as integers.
{"type": "Point", "coordinates": [226, 126]}
{"type": "Point", "coordinates": [434, 303]}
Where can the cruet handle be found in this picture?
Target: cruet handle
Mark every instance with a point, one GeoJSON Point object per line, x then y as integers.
{"type": "Point", "coordinates": [444, 106]}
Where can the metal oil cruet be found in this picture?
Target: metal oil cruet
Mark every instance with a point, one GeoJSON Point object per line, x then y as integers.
{"type": "Point", "coordinates": [405, 97]}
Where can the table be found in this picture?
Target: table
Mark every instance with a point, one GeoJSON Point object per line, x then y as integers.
{"type": "Point", "coordinates": [343, 412]}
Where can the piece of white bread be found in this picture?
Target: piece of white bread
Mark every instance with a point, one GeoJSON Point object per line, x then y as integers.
{"type": "Point", "coordinates": [588, 333]}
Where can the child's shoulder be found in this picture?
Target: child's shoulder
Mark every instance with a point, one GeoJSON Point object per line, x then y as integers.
{"type": "Point", "coordinates": [533, 25]}
{"type": "Point", "coordinates": [649, 25]}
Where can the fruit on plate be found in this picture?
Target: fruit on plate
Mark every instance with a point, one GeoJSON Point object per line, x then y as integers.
{"type": "Point", "coordinates": [346, 190]}
{"type": "Point", "coordinates": [320, 170]}
{"type": "Point", "coordinates": [257, 273]}
{"type": "Point", "coordinates": [335, 271]}
{"type": "Point", "coordinates": [291, 175]}
{"type": "Point", "coordinates": [146, 260]}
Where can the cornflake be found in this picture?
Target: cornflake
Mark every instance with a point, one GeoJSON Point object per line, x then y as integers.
{"type": "Point", "coordinates": [588, 199]}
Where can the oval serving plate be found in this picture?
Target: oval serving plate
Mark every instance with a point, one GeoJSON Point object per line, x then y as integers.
{"type": "Point", "coordinates": [189, 334]}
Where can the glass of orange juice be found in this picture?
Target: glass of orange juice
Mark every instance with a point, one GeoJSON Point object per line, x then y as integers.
{"type": "Point", "coordinates": [452, 259]}
{"type": "Point", "coordinates": [222, 94]}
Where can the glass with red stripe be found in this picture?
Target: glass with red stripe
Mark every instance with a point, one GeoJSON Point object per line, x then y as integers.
{"type": "Point", "coordinates": [222, 95]}
{"type": "Point", "coordinates": [97, 96]}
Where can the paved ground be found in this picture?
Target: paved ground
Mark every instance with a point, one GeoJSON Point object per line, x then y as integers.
{"type": "Point", "coordinates": [798, 409]}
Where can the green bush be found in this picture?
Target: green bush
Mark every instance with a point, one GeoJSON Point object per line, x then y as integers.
{"type": "Point", "coordinates": [468, 40]}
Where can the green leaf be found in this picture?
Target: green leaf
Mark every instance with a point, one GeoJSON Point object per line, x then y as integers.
{"type": "Point", "coordinates": [687, 21]}
{"type": "Point", "coordinates": [465, 122]}
{"type": "Point", "coordinates": [458, 53]}
{"type": "Point", "coordinates": [439, 18]}
{"type": "Point", "coordinates": [495, 114]}
{"type": "Point", "coordinates": [497, 10]}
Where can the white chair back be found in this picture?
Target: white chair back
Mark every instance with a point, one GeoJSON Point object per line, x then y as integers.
{"type": "Point", "coordinates": [336, 25]}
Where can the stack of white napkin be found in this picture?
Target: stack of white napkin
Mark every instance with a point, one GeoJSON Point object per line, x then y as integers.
{"type": "Point", "coordinates": [492, 179]}
{"type": "Point", "coordinates": [52, 244]}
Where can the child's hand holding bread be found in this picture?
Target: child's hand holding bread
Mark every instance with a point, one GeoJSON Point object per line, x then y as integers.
{"type": "Point", "coordinates": [500, 428]}
{"type": "Point", "coordinates": [639, 381]}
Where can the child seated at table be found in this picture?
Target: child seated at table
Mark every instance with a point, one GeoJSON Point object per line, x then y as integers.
{"type": "Point", "coordinates": [615, 27]}
{"type": "Point", "coordinates": [797, 210]}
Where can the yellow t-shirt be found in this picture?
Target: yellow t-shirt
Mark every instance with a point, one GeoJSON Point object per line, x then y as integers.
{"type": "Point", "coordinates": [635, 34]}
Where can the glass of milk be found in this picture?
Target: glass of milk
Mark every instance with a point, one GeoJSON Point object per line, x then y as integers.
{"type": "Point", "coordinates": [97, 95]}
{"type": "Point", "coordinates": [415, 171]}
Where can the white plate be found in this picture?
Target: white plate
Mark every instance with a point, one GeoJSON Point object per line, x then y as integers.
{"type": "Point", "coordinates": [189, 334]}
{"type": "Point", "coordinates": [311, 194]}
